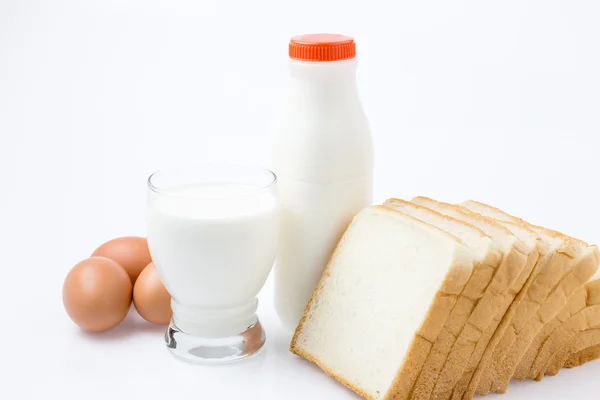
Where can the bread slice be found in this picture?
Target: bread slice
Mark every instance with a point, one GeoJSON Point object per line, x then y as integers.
{"type": "Point", "coordinates": [514, 261]}
{"type": "Point", "coordinates": [583, 356]}
{"type": "Point", "coordinates": [467, 385]}
{"type": "Point", "coordinates": [489, 256]}
{"type": "Point", "coordinates": [382, 302]}
{"type": "Point", "coordinates": [558, 346]}
{"type": "Point", "coordinates": [569, 265]}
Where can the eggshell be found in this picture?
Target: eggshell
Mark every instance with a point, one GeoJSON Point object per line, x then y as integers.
{"type": "Point", "coordinates": [131, 252]}
{"type": "Point", "coordinates": [151, 299]}
{"type": "Point", "coordinates": [97, 294]}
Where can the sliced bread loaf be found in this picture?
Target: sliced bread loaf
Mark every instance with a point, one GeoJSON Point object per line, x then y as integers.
{"type": "Point", "coordinates": [515, 258]}
{"type": "Point", "coordinates": [392, 281]}
{"type": "Point", "coordinates": [569, 265]}
{"type": "Point", "coordinates": [489, 256]}
{"type": "Point", "coordinates": [467, 385]}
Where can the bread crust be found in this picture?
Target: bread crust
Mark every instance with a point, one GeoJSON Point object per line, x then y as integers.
{"type": "Point", "coordinates": [460, 356]}
{"type": "Point", "coordinates": [392, 201]}
{"type": "Point", "coordinates": [423, 339]}
{"type": "Point", "coordinates": [478, 322]}
{"type": "Point", "coordinates": [470, 214]}
{"type": "Point", "coordinates": [513, 218]}
{"type": "Point", "coordinates": [584, 342]}
{"type": "Point", "coordinates": [584, 356]}
{"type": "Point", "coordinates": [466, 303]}
{"type": "Point", "coordinates": [443, 302]}
{"type": "Point", "coordinates": [577, 342]}
{"type": "Point", "coordinates": [526, 368]}
{"type": "Point", "coordinates": [467, 385]}
{"type": "Point", "coordinates": [498, 363]}
{"type": "Point", "coordinates": [549, 272]}
{"type": "Point", "coordinates": [463, 311]}
{"type": "Point", "coordinates": [583, 270]}
{"type": "Point", "coordinates": [556, 349]}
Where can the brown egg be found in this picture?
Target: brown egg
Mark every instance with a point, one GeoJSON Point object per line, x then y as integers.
{"type": "Point", "coordinates": [151, 299]}
{"type": "Point", "coordinates": [131, 252]}
{"type": "Point", "coordinates": [97, 294]}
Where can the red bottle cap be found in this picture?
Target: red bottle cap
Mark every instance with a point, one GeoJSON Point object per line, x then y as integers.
{"type": "Point", "coordinates": [322, 47]}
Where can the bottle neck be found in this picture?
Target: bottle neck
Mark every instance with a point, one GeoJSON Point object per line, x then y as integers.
{"type": "Point", "coordinates": [329, 79]}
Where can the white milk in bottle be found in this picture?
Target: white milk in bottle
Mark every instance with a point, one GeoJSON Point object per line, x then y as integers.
{"type": "Point", "coordinates": [323, 157]}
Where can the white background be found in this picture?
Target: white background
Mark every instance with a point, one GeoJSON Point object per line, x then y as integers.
{"type": "Point", "coordinates": [497, 101]}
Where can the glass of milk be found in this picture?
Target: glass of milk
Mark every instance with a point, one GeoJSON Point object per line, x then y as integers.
{"type": "Point", "coordinates": [212, 233]}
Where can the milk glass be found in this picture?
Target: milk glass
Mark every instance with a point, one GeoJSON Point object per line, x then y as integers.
{"type": "Point", "coordinates": [212, 233]}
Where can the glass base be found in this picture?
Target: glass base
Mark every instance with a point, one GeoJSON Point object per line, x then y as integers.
{"type": "Point", "coordinates": [215, 350]}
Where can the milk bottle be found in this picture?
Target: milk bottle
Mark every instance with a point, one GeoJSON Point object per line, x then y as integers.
{"type": "Point", "coordinates": [324, 161]}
